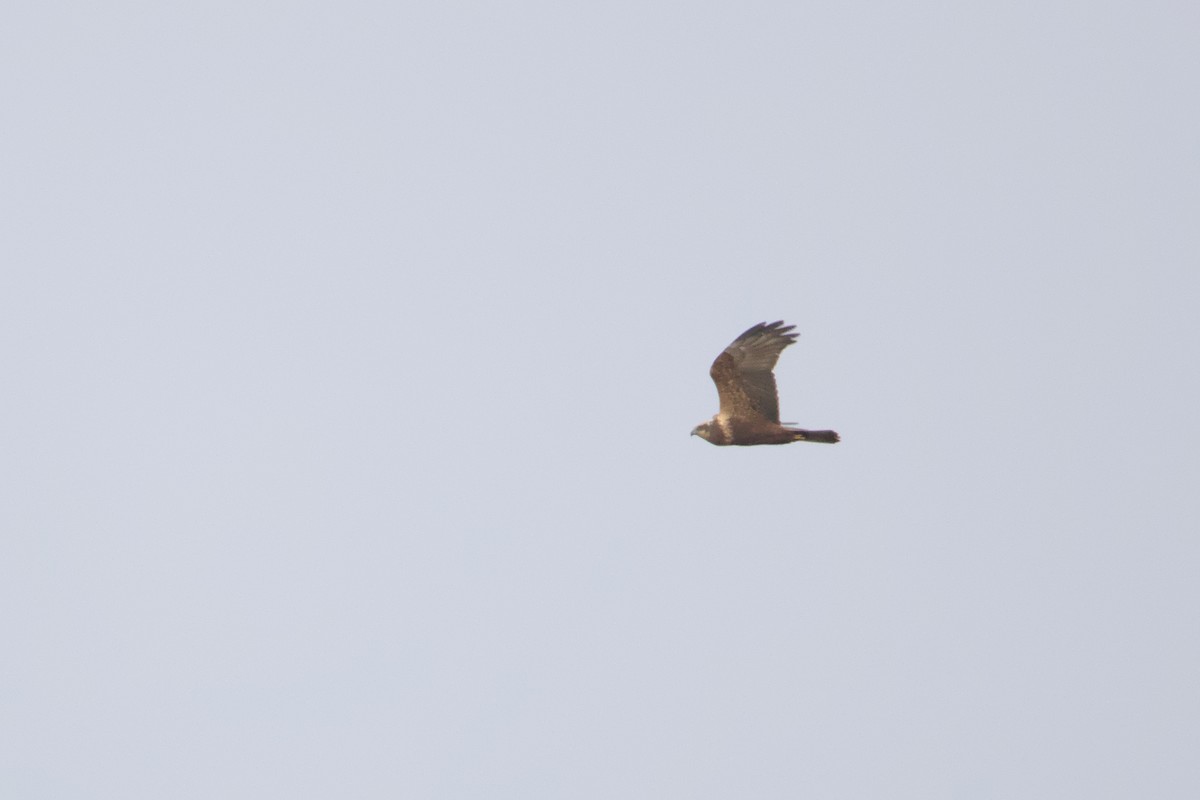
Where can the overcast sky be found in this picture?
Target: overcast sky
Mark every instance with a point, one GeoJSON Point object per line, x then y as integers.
{"type": "Point", "coordinates": [350, 353]}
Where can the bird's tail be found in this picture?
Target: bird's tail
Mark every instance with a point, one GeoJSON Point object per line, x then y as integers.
{"type": "Point", "coordinates": [828, 437]}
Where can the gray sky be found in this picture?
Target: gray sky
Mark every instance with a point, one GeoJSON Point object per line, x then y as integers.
{"type": "Point", "coordinates": [351, 350]}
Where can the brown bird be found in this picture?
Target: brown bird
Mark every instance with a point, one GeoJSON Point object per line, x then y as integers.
{"type": "Point", "coordinates": [749, 400]}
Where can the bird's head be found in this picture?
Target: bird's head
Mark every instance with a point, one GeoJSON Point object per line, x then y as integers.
{"type": "Point", "coordinates": [702, 430]}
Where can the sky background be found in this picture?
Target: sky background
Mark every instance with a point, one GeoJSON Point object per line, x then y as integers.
{"type": "Point", "coordinates": [350, 353]}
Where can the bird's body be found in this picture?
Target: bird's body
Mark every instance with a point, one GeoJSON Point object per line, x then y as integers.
{"type": "Point", "coordinates": [745, 382]}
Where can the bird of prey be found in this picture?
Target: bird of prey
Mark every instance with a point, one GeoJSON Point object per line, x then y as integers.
{"type": "Point", "coordinates": [749, 401]}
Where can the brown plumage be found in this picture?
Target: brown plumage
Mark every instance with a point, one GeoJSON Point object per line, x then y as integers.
{"type": "Point", "coordinates": [749, 401]}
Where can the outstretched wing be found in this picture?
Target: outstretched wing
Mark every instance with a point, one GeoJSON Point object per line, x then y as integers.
{"type": "Point", "coordinates": [743, 374]}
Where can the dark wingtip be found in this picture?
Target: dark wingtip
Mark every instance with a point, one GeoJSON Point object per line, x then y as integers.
{"type": "Point", "coordinates": [777, 328]}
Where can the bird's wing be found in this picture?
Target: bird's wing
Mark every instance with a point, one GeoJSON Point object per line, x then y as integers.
{"type": "Point", "coordinates": [743, 374]}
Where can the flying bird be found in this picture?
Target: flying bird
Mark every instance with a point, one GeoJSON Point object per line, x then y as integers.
{"type": "Point", "coordinates": [749, 401]}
